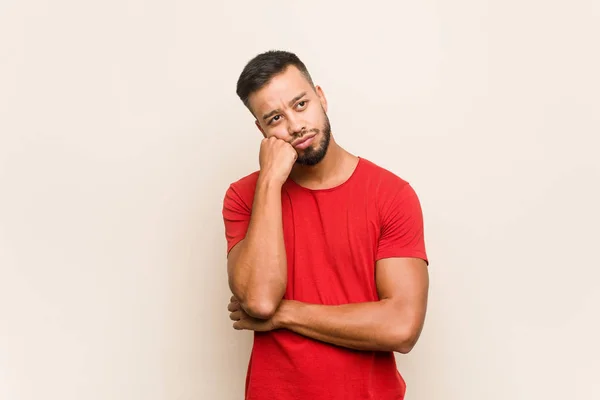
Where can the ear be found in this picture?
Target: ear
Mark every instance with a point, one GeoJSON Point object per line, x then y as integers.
{"type": "Point", "coordinates": [260, 128]}
{"type": "Point", "coordinates": [322, 97]}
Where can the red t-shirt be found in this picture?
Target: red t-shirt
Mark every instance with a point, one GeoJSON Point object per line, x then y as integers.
{"type": "Point", "coordinates": [333, 237]}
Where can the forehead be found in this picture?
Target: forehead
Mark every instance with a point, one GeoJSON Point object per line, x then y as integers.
{"type": "Point", "coordinates": [281, 89]}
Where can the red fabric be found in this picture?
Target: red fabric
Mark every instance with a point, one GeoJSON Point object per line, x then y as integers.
{"type": "Point", "coordinates": [333, 238]}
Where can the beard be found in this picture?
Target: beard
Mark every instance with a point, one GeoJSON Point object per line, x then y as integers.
{"type": "Point", "coordinates": [314, 155]}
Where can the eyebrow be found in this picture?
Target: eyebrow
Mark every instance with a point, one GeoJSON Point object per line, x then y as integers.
{"type": "Point", "coordinates": [295, 99]}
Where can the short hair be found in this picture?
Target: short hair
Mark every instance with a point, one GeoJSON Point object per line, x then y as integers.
{"type": "Point", "coordinates": [262, 68]}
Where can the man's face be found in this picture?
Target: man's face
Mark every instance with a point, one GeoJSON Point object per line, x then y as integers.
{"type": "Point", "coordinates": [291, 109]}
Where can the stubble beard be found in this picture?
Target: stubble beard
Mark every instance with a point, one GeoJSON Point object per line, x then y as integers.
{"type": "Point", "coordinates": [312, 156]}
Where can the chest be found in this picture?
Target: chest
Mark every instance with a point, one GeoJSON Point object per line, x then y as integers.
{"type": "Point", "coordinates": [331, 242]}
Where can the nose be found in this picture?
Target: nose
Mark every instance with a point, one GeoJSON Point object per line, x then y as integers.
{"type": "Point", "coordinates": [295, 125]}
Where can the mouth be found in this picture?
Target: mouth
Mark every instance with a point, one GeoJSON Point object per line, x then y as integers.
{"type": "Point", "coordinates": [304, 142]}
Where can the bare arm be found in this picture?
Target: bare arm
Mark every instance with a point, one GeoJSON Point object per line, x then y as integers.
{"type": "Point", "coordinates": [257, 266]}
{"type": "Point", "coordinates": [394, 323]}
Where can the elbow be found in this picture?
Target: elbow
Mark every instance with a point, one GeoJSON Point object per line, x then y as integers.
{"type": "Point", "coordinates": [404, 347]}
{"type": "Point", "coordinates": [261, 302]}
{"type": "Point", "coordinates": [260, 308]}
{"type": "Point", "coordinates": [404, 340]}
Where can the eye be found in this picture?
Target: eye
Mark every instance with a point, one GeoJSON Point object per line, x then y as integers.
{"type": "Point", "coordinates": [302, 104]}
{"type": "Point", "coordinates": [274, 119]}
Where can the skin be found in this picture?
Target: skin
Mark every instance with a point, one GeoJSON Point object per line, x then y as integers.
{"type": "Point", "coordinates": [287, 109]}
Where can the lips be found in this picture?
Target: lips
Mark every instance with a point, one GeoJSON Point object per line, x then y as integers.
{"type": "Point", "coordinates": [304, 142]}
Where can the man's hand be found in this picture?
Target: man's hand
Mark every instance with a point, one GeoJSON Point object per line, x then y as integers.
{"type": "Point", "coordinates": [243, 321]}
{"type": "Point", "coordinates": [277, 157]}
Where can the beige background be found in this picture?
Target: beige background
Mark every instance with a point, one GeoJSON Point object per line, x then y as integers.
{"type": "Point", "coordinates": [120, 131]}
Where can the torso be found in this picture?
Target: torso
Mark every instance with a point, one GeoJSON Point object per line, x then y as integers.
{"type": "Point", "coordinates": [331, 239]}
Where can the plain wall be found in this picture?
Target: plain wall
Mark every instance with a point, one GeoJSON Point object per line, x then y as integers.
{"type": "Point", "coordinates": [120, 131]}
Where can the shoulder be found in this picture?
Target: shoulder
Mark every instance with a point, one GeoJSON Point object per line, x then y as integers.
{"type": "Point", "coordinates": [246, 183]}
{"type": "Point", "coordinates": [393, 194]}
{"type": "Point", "coordinates": [242, 190]}
{"type": "Point", "coordinates": [382, 180]}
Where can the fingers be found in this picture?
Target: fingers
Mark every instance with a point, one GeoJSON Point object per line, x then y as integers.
{"type": "Point", "coordinates": [238, 325]}
{"type": "Point", "coordinates": [235, 316]}
{"type": "Point", "coordinates": [234, 304]}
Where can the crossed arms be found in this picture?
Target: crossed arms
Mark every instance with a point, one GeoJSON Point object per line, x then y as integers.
{"type": "Point", "coordinates": [257, 271]}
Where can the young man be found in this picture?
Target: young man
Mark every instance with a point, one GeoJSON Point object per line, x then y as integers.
{"type": "Point", "coordinates": [326, 254]}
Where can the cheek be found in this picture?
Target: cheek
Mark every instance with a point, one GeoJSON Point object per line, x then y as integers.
{"type": "Point", "coordinates": [280, 132]}
{"type": "Point", "coordinates": [317, 117]}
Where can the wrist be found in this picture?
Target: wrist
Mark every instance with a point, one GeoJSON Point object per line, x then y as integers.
{"type": "Point", "coordinates": [286, 313]}
{"type": "Point", "coordinates": [268, 181]}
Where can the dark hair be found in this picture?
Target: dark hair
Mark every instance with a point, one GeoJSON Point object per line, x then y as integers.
{"type": "Point", "coordinates": [262, 68]}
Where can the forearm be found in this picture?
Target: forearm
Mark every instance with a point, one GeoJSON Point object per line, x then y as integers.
{"type": "Point", "coordinates": [259, 276]}
{"type": "Point", "coordinates": [376, 326]}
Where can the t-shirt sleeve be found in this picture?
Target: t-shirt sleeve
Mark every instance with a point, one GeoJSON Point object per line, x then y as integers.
{"type": "Point", "coordinates": [236, 216]}
{"type": "Point", "coordinates": [401, 219]}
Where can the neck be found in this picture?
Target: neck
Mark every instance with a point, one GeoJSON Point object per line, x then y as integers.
{"type": "Point", "coordinates": [328, 171]}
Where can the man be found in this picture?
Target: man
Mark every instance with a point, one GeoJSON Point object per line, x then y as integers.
{"type": "Point", "coordinates": [326, 254]}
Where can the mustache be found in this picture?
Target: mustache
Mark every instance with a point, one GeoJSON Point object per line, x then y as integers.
{"type": "Point", "coordinates": [305, 132]}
